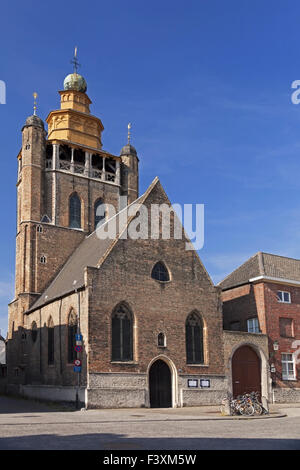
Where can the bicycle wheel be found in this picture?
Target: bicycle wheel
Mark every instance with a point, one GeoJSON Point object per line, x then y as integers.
{"type": "Point", "coordinates": [257, 409]}
{"type": "Point", "coordinates": [247, 409]}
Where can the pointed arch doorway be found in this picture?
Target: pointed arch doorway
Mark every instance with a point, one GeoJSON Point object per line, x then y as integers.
{"type": "Point", "coordinates": [160, 384]}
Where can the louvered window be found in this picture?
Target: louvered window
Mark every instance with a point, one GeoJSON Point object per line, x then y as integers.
{"type": "Point", "coordinates": [75, 212]}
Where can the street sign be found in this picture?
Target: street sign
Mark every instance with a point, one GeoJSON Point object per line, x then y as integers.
{"type": "Point", "coordinates": [78, 337]}
{"type": "Point", "coordinates": [77, 363]}
{"type": "Point", "coordinates": [77, 369]}
{"type": "Point", "coordinates": [78, 348]}
{"type": "Point", "coordinates": [78, 343]}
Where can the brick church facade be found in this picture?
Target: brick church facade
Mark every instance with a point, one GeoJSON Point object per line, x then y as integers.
{"type": "Point", "coordinates": [148, 312]}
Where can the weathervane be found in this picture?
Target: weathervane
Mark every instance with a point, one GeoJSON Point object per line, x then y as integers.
{"type": "Point", "coordinates": [129, 133]}
{"type": "Point", "coordinates": [35, 95]}
{"type": "Point", "coordinates": [74, 61]}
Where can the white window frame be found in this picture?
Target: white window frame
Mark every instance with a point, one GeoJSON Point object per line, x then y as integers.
{"type": "Point", "coordinates": [291, 361]}
{"type": "Point", "coordinates": [281, 300]}
{"type": "Point", "coordinates": [255, 325]}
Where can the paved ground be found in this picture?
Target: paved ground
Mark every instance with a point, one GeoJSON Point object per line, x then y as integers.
{"type": "Point", "coordinates": [29, 425]}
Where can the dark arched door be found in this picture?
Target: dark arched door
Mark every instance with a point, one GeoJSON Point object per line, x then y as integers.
{"type": "Point", "coordinates": [246, 374]}
{"type": "Point", "coordinates": [160, 385]}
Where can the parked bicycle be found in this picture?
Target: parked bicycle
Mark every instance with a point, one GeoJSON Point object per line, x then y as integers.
{"type": "Point", "coordinates": [247, 404]}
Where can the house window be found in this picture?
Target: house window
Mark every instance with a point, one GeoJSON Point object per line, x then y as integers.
{"type": "Point", "coordinates": [286, 327]}
{"type": "Point", "coordinates": [161, 340]}
{"type": "Point", "coordinates": [194, 339]}
{"type": "Point", "coordinates": [50, 342]}
{"type": "Point", "coordinates": [74, 212]}
{"type": "Point", "coordinates": [283, 297]}
{"type": "Point", "coordinates": [122, 334]}
{"type": "Point", "coordinates": [160, 272]}
{"type": "Point", "coordinates": [288, 367]}
{"type": "Point", "coordinates": [253, 325]}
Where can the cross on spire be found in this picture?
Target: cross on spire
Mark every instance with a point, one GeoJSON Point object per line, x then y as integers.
{"type": "Point", "coordinates": [129, 132]}
{"type": "Point", "coordinates": [35, 95]}
{"type": "Point", "coordinates": [74, 61]}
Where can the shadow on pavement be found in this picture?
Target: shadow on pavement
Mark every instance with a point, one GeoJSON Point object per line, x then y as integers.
{"type": "Point", "coordinates": [120, 442]}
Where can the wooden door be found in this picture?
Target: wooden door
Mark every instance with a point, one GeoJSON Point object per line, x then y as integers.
{"type": "Point", "coordinates": [160, 385]}
{"type": "Point", "coordinates": [246, 373]}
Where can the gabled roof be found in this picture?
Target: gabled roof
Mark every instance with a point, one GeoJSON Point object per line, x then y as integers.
{"type": "Point", "coordinates": [91, 252]}
{"type": "Point", "coordinates": [263, 265]}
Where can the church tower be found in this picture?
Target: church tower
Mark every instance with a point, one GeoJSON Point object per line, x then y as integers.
{"type": "Point", "coordinates": [64, 176]}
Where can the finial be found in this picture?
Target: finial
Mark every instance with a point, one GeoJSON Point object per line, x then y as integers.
{"type": "Point", "coordinates": [129, 133]}
{"type": "Point", "coordinates": [35, 95]}
{"type": "Point", "coordinates": [74, 61]}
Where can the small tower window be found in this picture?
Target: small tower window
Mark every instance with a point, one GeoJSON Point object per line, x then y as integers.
{"type": "Point", "coordinates": [75, 212]}
{"type": "Point", "coordinates": [39, 229]}
{"type": "Point", "coordinates": [43, 259]}
{"type": "Point", "coordinates": [46, 219]}
{"type": "Point", "coordinates": [160, 272]}
{"type": "Point", "coordinates": [161, 340]}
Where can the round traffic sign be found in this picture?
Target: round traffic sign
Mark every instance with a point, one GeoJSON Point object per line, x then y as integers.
{"type": "Point", "coordinates": [77, 362]}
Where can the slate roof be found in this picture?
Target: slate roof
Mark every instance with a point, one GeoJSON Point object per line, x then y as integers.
{"type": "Point", "coordinates": [263, 264]}
{"type": "Point", "coordinates": [91, 252]}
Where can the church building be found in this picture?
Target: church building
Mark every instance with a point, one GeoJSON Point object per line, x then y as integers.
{"type": "Point", "coordinates": [111, 322]}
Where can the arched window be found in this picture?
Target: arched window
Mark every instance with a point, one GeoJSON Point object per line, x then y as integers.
{"type": "Point", "coordinates": [99, 213]}
{"type": "Point", "coordinates": [72, 330]}
{"type": "Point", "coordinates": [194, 339]}
{"type": "Point", "coordinates": [160, 272]}
{"type": "Point", "coordinates": [50, 341]}
{"type": "Point", "coordinates": [34, 331]}
{"type": "Point", "coordinates": [74, 211]}
{"type": "Point", "coordinates": [122, 334]}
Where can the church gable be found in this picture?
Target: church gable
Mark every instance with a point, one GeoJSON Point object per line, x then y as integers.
{"type": "Point", "coordinates": [154, 199]}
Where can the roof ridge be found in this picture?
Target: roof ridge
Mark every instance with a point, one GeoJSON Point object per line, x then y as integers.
{"type": "Point", "coordinates": [141, 199]}
{"type": "Point", "coordinates": [280, 256]}
{"type": "Point", "coordinates": [236, 269]}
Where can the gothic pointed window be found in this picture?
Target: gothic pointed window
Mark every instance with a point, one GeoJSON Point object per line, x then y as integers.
{"type": "Point", "coordinates": [72, 330]}
{"type": "Point", "coordinates": [160, 272]}
{"type": "Point", "coordinates": [34, 332]}
{"type": "Point", "coordinates": [194, 339]}
{"type": "Point", "coordinates": [74, 211]}
{"type": "Point", "coordinates": [99, 213]}
{"type": "Point", "coordinates": [50, 341]}
{"type": "Point", "coordinates": [122, 334]}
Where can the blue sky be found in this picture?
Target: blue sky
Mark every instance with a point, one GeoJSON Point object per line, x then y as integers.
{"type": "Point", "coordinates": [207, 86]}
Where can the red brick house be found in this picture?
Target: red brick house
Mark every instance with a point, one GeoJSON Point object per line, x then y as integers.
{"type": "Point", "coordinates": [263, 296]}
